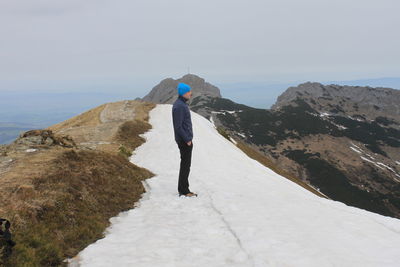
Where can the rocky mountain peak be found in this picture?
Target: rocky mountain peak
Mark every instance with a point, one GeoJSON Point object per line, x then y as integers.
{"type": "Point", "coordinates": [360, 101]}
{"type": "Point", "coordinates": [165, 92]}
{"type": "Point", "coordinates": [192, 78]}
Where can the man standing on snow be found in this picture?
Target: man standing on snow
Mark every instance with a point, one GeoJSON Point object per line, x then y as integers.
{"type": "Point", "coordinates": [183, 136]}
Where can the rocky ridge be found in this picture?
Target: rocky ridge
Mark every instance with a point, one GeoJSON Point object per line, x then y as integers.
{"type": "Point", "coordinates": [364, 103]}
{"type": "Point", "coordinates": [342, 140]}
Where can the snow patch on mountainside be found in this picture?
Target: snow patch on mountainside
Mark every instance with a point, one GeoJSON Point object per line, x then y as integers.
{"type": "Point", "coordinates": [371, 160]}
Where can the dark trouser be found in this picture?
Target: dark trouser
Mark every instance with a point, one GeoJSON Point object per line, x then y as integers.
{"type": "Point", "coordinates": [186, 159]}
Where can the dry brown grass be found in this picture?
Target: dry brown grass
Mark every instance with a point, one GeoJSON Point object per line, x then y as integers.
{"type": "Point", "coordinates": [88, 118]}
{"type": "Point", "coordinates": [143, 112]}
{"type": "Point", "coordinates": [20, 177]}
{"type": "Point", "coordinates": [59, 200]}
{"type": "Point", "coordinates": [79, 193]}
{"type": "Point", "coordinates": [128, 132]}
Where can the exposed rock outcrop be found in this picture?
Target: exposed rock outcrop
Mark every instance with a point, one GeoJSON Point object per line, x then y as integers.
{"type": "Point", "coordinates": [40, 138]}
{"type": "Point", "coordinates": [165, 92]}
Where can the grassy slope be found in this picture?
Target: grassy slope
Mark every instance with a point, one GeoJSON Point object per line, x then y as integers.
{"type": "Point", "coordinates": [66, 205]}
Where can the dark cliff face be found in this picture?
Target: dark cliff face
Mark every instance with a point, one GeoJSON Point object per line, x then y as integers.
{"type": "Point", "coordinates": [165, 92]}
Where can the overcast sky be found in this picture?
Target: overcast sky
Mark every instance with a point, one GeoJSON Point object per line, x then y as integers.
{"type": "Point", "coordinates": [132, 44]}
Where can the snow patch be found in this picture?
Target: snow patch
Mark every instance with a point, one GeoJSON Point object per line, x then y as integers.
{"type": "Point", "coordinates": [212, 121]}
{"type": "Point", "coordinates": [387, 167]}
{"type": "Point", "coordinates": [313, 114]}
{"type": "Point", "coordinates": [244, 214]}
{"type": "Point", "coordinates": [232, 140]}
{"type": "Point", "coordinates": [324, 114]}
{"type": "Point", "coordinates": [30, 150]}
{"type": "Point", "coordinates": [382, 166]}
{"type": "Point", "coordinates": [355, 145]}
{"type": "Point", "coordinates": [226, 111]}
{"type": "Point", "coordinates": [371, 157]}
{"type": "Point", "coordinates": [355, 119]}
{"type": "Point", "coordinates": [242, 135]}
{"type": "Point", "coordinates": [217, 112]}
{"type": "Point", "coordinates": [339, 126]}
{"type": "Point", "coordinates": [373, 162]}
{"type": "Point", "coordinates": [356, 150]}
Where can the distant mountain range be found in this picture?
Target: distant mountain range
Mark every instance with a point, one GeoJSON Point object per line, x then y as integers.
{"type": "Point", "coordinates": [46, 108]}
{"type": "Point", "coordinates": [343, 140]}
{"type": "Point", "coordinates": [263, 94]}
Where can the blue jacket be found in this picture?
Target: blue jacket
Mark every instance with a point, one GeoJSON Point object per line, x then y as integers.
{"type": "Point", "coordinates": [182, 120]}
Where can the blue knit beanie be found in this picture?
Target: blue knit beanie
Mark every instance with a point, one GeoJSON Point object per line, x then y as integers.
{"type": "Point", "coordinates": [183, 88]}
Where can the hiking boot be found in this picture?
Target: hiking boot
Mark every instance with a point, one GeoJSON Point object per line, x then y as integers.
{"type": "Point", "coordinates": [190, 194]}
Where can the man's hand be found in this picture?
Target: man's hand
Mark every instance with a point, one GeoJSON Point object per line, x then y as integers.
{"type": "Point", "coordinates": [189, 143]}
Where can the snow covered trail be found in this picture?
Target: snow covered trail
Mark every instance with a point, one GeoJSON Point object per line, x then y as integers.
{"type": "Point", "coordinates": [245, 214]}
